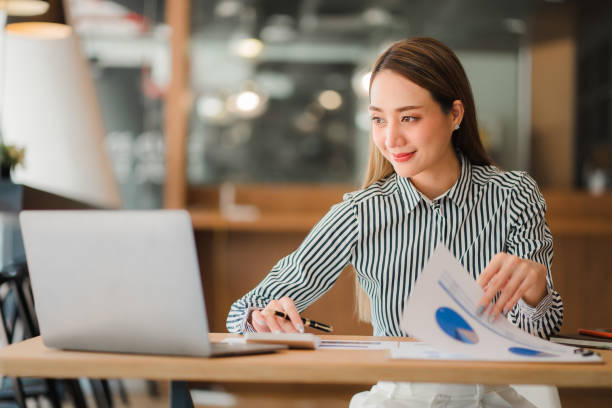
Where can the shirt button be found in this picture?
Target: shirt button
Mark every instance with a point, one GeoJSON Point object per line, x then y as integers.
{"type": "Point", "coordinates": [436, 207]}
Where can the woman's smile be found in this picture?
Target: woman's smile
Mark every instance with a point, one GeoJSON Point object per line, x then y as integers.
{"type": "Point", "coordinates": [402, 157]}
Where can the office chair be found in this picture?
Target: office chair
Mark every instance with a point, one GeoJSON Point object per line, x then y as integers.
{"type": "Point", "coordinates": [17, 324]}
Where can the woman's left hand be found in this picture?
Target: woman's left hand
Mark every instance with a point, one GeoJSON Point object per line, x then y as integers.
{"type": "Point", "coordinates": [516, 278]}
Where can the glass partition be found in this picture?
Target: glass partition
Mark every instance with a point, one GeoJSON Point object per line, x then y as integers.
{"type": "Point", "coordinates": [127, 44]}
{"type": "Point", "coordinates": [280, 90]}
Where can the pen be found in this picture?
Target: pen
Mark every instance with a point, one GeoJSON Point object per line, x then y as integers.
{"type": "Point", "coordinates": [307, 322]}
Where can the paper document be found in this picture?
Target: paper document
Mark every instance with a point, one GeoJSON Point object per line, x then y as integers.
{"type": "Point", "coordinates": [311, 341]}
{"type": "Point", "coordinates": [417, 350]}
{"type": "Point", "coordinates": [358, 345]}
{"type": "Point", "coordinates": [441, 311]}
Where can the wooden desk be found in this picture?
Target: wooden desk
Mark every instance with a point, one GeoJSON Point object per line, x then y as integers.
{"type": "Point", "coordinates": [32, 359]}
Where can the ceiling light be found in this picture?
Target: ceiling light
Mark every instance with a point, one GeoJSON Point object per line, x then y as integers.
{"type": "Point", "coordinates": [248, 47]}
{"type": "Point", "coordinates": [210, 107]}
{"type": "Point", "coordinates": [227, 8]}
{"type": "Point", "coordinates": [361, 83]}
{"type": "Point", "coordinates": [376, 16]}
{"type": "Point", "coordinates": [330, 100]}
{"type": "Point", "coordinates": [247, 101]}
{"type": "Point", "coordinates": [365, 82]}
{"type": "Point", "coordinates": [24, 8]}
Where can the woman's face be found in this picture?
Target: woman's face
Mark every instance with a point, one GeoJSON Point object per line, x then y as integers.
{"type": "Point", "coordinates": [409, 127]}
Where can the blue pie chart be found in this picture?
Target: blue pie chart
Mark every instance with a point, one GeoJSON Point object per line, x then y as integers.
{"type": "Point", "coordinates": [527, 352]}
{"type": "Point", "coordinates": [455, 326]}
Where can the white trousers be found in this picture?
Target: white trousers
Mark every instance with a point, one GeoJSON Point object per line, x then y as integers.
{"type": "Point", "coordinates": [387, 394]}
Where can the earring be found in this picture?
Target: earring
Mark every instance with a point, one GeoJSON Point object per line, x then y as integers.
{"type": "Point", "coordinates": [456, 127]}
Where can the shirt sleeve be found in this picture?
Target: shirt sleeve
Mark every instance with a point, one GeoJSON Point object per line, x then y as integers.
{"type": "Point", "coordinates": [308, 272]}
{"type": "Point", "coordinates": [530, 238]}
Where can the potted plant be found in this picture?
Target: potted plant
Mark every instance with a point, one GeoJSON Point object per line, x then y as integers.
{"type": "Point", "coordinates": [10, 157]}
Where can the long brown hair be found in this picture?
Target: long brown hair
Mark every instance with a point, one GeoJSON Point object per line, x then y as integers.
{"type": "Point", "coordinates": [435, 67]}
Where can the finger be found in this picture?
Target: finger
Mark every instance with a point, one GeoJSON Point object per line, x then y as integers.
{"type": "Point", "coordinates": [258, 322]}
{"type": "Point", "coordinates": [271, 321]}
{"type": "Point", "coordinates": [538, 286]}
{"type": "Point", "coordinates": [495, 284]}
{"type": "Point", "coordinates": [286, 325]}
{"type": "Point", "coordinates": [494, 265]}
{"type": "Point", "coordinates": [515, 298]}
{"type": "Point", "coordinates": [293, 313]}
{"type": "Point", "coordinates": [508, 291]}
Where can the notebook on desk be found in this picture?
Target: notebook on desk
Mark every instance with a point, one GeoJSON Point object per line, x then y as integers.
{"type": "Point", "coordinates": [120, 281]}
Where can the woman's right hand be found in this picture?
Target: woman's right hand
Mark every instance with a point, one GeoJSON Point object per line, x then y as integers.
{"type": "Point", "coordinates": [265, 320]}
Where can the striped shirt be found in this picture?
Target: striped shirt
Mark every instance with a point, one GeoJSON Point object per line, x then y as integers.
{"type": "Point", "coordinates": [388, 231]}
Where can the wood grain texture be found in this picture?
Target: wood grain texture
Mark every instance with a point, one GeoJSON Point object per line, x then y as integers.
{"type": "Point", "coordinates": [582, 275]}
{"type": "Point", "coordinates": [294, 198]}
{"type": "Point", "coordinates": [553, 72]}
{"type": "Point", "coordinates": [233, 265]}
{"type": "Point", "coordinates": [32, 358]}
{"type": "Point", "coordinates": [266, 222]}
{"type": "Point", "coordinates": [205, 219]}
{"type": "Point", "coordinates": [176, 105]}
{"type": "Point", "coordinates": [296, 208]}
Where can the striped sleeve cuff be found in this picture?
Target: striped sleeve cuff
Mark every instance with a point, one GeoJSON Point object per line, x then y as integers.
{"type": "Point", "coordinates": [247, 327]}
{"type": "Point", "coordinates": [543, 320]}
{"type": "Point", "coordinates": [539, 311]}
{"type": "Point", "coordinates": [239, 322]}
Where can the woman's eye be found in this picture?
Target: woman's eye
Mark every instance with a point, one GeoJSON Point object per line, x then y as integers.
{"type": "Point", "coordinates": [408, 118]}
{"type": "Point", "coordinates": [378, 121]}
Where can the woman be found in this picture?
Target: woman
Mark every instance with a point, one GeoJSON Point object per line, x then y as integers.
{"type": "Point", "coordinates": [428, 181]}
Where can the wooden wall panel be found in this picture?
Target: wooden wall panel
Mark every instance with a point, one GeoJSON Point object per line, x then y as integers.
{"type": "Point", "coordinates": [583, 276]}
{"type": "Point", "coordinates": [234, 262]}
{"type": "Point", "coordinates": [552, 97]}
{"type": "Point", "coordinates": [235, 258]}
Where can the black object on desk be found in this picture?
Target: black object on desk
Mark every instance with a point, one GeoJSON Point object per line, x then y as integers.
{"type": "Point", "coordinates": [579, 340]}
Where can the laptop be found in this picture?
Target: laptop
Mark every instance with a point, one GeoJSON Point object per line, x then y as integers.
{"type": "Point", "coordinates": [120, 281]}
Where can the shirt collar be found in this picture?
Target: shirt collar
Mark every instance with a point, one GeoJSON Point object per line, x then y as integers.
{"type": "Point", "coordinates": [457, 193]}
{"type": "Point", "coordinates": [409, 192]}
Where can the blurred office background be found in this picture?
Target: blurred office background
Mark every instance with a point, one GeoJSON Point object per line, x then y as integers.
{"type": "Point", "coordinates": [274, 91]}
{"type": "Point", "coordinates": [252, 114]}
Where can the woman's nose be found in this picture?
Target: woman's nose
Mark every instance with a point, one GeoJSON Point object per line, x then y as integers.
{"type": "Point", "coordinates": [394, 138]}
